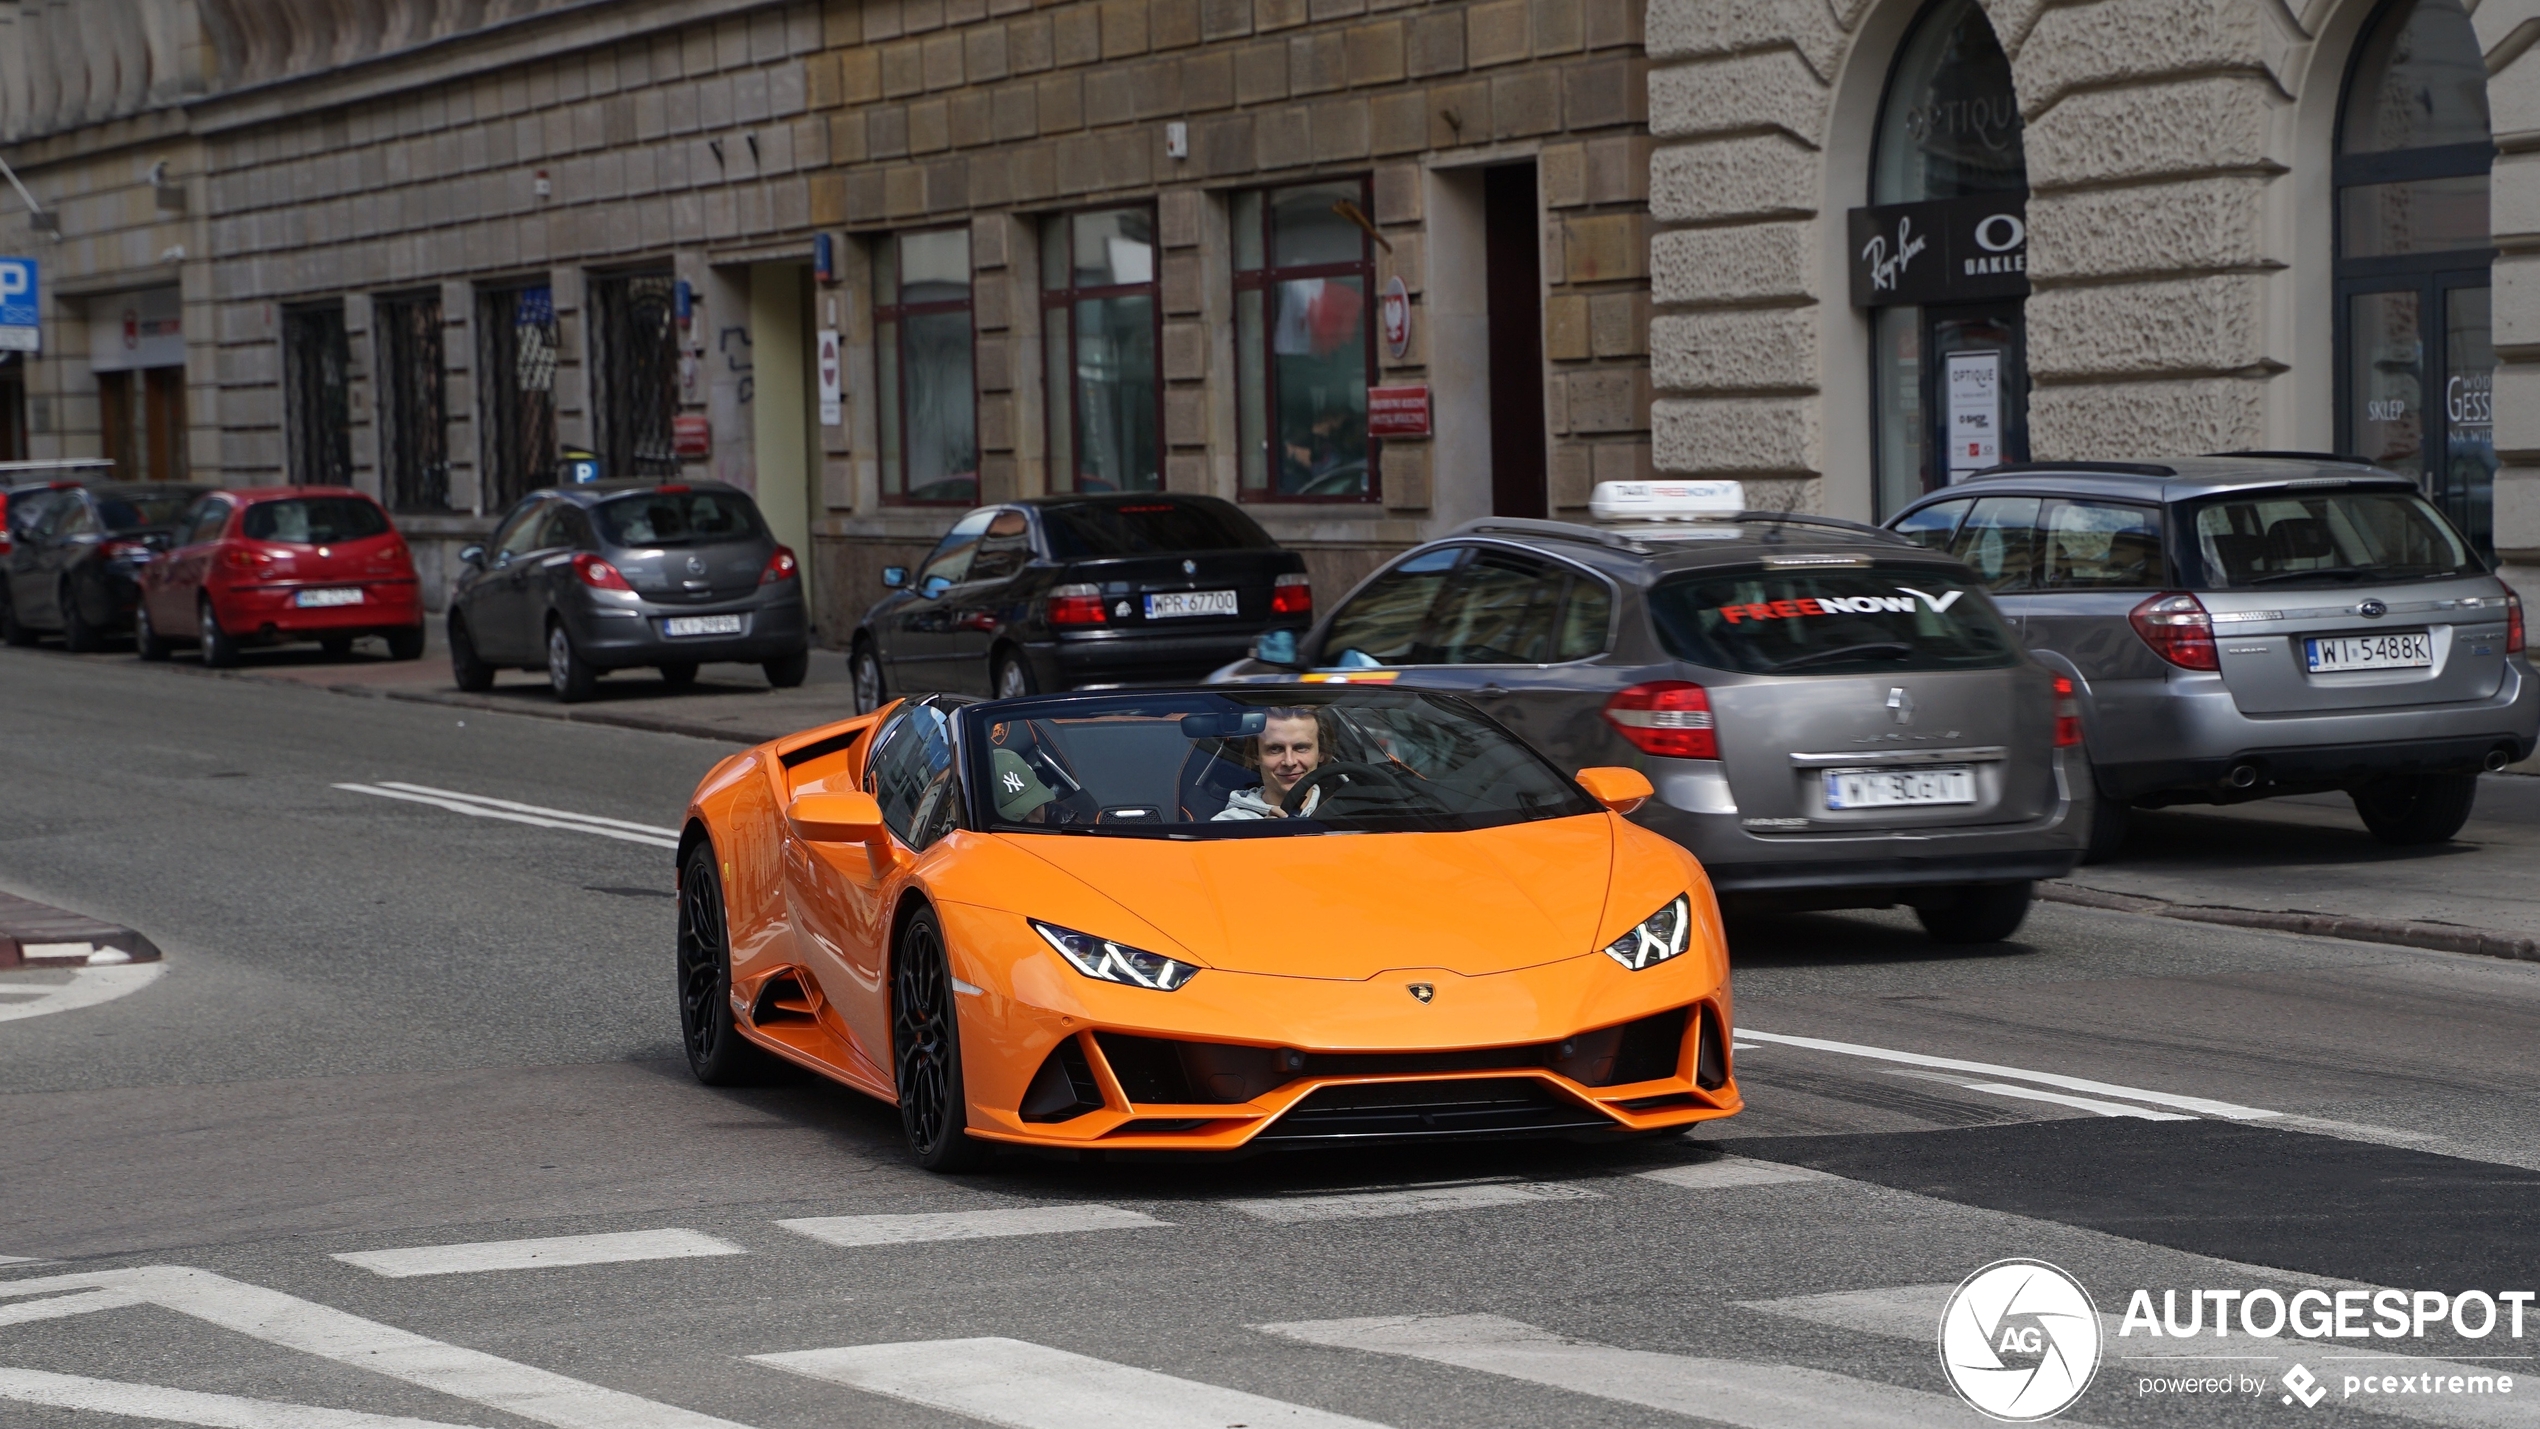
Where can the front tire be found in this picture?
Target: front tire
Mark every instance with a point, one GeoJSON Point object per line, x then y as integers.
{"type": "Point", "coordinates": [2412, 810]}
{"type": "Point", "coordinates": [146, 640]}
{"type": "Point", "coordinates": [470, 672]}
{"type": "Point", "coordinates": [568, 674]}
{"type": "Point", "coordinates": [219, 651]}
{"type": "Point", "coordinates": [717, 1052]}
{"type": "Point", "coordinates": [926, 1052]}
{"type": "Point", "coordinates": [866, 666]}
{"type": "Point", "coordinates": [1980, 913]}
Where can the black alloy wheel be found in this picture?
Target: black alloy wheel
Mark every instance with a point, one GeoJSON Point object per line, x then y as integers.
{"type": "Point", "coordinates": [866, 667]}
{"type": "Point", "coordinates": [926, 1052]}
{"type": "Point", "coordinates": [472, 674]}
{"type": "Point", "coordinates": [219, 650]}
{"type": "Point", "coordinates": [78, 636]}
{"type": "Point", "coordinates": [717, 1052]}
{"type": "Point", "coordinates": [2414, 809]}
{"type": "Point", "coordinates": [146, 640]}
{"type": "Point", "coordinates": [680, 675]}
{"type": "Point", "coordinates": [1976, 913]}
{"type": "Point", "coordinates": [787, 671]}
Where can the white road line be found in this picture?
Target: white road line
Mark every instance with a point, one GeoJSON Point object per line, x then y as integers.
{"type": "Point", "coordinates": [537, 1254]}
{"type": "Point", "coordinates": [2203, 1105]}
{"type": "Point", "coordinates": [1729, 1171]}
{"type": "Point", "coordinates": [2104, 1108]}
{"type": "Point", "coordinates": [1912, 1312]}
{"type": "Point", "coordinates": [62, 1306]}
{"type": "Point", "coordinates": [1754, 1396]}
{"type": "Point", "coordinates": [492, 802]}
{"type": "Point", "coordinates": [1029, 1386]}
{"type": "Point", "coordinates": [968, 1225]}
{"type": "Point", "coordinates": [186, 1406]}
{"type": "Point", "coordinates": [87, 988]}
{"type": "Point", "coordinates": [571, 825]}
{"type": "Point", "coordinates": [331, 1334]}
{"type": "Point", "coordinates": [1418, 1200]}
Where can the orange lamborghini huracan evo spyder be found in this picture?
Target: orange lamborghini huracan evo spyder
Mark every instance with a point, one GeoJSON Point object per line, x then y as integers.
{"type": "Point", "coordinates": [1212, 920]}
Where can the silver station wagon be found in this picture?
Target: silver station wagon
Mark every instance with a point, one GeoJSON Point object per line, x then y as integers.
{"type": "Point", "coordinates": [1832, 716]}
{"type": "Point", "coordinates": [2245, 626]}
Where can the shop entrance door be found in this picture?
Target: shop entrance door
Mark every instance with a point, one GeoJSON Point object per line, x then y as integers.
{"type": "Point", "coordinates": [1513, 259]}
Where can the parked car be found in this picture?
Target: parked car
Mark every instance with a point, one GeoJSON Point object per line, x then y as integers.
{"type": "Point", "coordinates": [2247, 626]}
{"type": "Point", "coordinates": [1833, 717]}
{"type": "Point", "coordinates": [267, 565]}
{"type": "Point", "coordinates": [75, 557]}
{"type": "Point", "coordinates": [608, 575]}
{"type": "Point", "coordinates": [1060, 592]}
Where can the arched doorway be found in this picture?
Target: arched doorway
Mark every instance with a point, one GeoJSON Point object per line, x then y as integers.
{"type": "Point", "coordinates": [2416, 339]}
{"type": "Point", "coordinates": [1940, 257]}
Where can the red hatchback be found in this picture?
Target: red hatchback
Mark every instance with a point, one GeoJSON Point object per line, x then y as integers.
{"type": "Point", "coordinates": [320, 563]}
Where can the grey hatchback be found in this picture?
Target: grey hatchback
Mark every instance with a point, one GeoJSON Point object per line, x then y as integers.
{"type": "Point", "coordinates": [2255, 624]}
{"type": "Point", "coordinates": [585, 579]}
{"type": "Point", "coordinates": [1832, 716]}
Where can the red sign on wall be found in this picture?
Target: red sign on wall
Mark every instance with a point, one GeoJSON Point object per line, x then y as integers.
{"type": "Point", "coordinates": [691, 435]}
{"type": "Point", "coordinates": [1398, 411]}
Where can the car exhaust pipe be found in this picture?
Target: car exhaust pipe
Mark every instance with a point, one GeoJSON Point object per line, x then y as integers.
{"type": "Point", "coordinates": [2498, 758]}
{"type": "Point", "coordinates": [2242, 776]}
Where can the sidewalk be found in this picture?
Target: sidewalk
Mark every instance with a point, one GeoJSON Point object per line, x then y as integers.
{"type": "Point", "coordinates": [2306, 865]}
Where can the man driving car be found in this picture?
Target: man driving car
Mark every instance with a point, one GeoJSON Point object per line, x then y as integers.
{"type": "Point", "coordinates": [1289, 747]}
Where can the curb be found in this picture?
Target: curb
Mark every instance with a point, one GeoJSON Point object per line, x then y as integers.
{"type": "Point", "coordinates": [2439, 937]}
{"type": "Point", "coordinates": [38, 935]}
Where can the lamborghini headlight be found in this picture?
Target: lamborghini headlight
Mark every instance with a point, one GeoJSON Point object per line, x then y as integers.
{"type": "Point", "coordinates": [1660, 936]}
{"type": "Point", "coordinates": [1114, 962]}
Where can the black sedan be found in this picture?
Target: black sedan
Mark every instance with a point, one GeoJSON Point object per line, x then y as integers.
{"type": "Point", "coordinates": [1062, 592]}
{"type": "Point", "coordinates": [75, 554]}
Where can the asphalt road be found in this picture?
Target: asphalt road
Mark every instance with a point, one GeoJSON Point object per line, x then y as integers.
{"type": "Point", "coordinates": [385, 1024]}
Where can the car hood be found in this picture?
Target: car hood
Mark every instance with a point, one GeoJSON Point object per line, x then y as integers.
{"type": "Point", "coordinates": [1352, 906]}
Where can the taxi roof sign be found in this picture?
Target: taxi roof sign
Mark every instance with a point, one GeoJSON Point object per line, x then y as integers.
{"type": "Point", "coordinates": [1666, 500]}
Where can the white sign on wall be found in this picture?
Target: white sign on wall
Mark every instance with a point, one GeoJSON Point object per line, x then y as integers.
{"type": "Point", "coordinates": [832, 381]}
{"type": "Point", "coordinates": [134, 330]}
{"type": "Point", "coordinates": [1975, 412]}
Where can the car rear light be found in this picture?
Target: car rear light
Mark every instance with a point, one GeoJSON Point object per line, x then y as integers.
{"type": "Point", "coordinates": [599, 574]}
{"type": "Point", "coordinates": [2513, 618]}
{"type": "Point", "coordinates": [780, 567]}
{"type": "Point", "coordinates": [242, 558]}
{"type": "Point", "coordinates": [1292, 594]}
{"type": "Point", "coordinates": [1669, 718]}
{"type": "Point", "coordinates": [2178, 630]}
{"type": "Point", "coordinates": [1076, 605]}
{"type": "Point", "coordinates": [2067, 714]}
{"type": "Point", "coordinates": [5, 542]}
{"type": "Point", "coordinates": [676, 488]}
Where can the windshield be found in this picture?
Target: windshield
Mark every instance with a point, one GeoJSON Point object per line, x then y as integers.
{"type": "Point", "coordinates": [131, 513]}
{"type": "Point", "coordinates": [314, 520]}
{"type": "Point", "coordinates": [1254, 763]}
{"type": "Point", "coordinates": [683, 518]}
{"type": "Point", "coordinates": [1832, 621]}
{"type": "Point", "coordinates": [1140, 528]}
{"type": "Point", "coordinates": [2293, 538]}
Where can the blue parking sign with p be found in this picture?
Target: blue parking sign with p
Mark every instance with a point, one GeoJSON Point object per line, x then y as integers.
{"type": "Point", "coordinates": [18, 328]}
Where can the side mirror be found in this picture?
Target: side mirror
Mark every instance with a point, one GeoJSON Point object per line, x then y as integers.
{"type": "Point", "coordinates": [1277, 647]}
{"type": "Point", "coordinates": [894, 577]}
{"type": "Point", "coordinates": [1616, 787]}
{"type": "Point", "coordinates": [472, 556]}
{"type": "Point", "coordinates": [836, 818]}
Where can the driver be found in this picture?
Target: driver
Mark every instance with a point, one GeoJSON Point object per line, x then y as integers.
{"type": "Point", "coordinates": [1289, 747]}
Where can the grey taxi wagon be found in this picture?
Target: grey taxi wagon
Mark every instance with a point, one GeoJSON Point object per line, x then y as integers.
{"type": "Point", "coordinates": [1832, 716]}
{"type": "Point", "coordinates": [2252, 625]}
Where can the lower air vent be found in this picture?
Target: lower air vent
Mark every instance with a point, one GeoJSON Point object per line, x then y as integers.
{"type": "Point", "coordinates": [1667, 1102]}
{"type": "Point", "coordinates": [1489, 1106]}
{"type": "Point", "coordinates": [1156, 1126]}
{"type": "Point", "coordinates": [1711, 1061]}
{"type": "Point", "coordinates": [1064, 1088]}
{"type": "Point", "coordinates": [781, 1000]}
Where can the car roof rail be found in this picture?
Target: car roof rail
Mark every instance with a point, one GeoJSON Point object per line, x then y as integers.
{"type": "Point", "coordinates": [2076, 468]}
{"type": "Point", "coordinates": [2332, 458]}
{"type": "Point", "coordinates": [1551, 530]}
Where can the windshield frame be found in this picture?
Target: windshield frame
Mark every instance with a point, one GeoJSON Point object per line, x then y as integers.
{"type": "Point", "coordinates": [971, 746]}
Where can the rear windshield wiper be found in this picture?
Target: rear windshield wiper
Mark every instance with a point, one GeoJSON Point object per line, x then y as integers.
{"type": "Point", "coordinates": [1874, 650]}
{"type": "Point", "coordinates": [2343, 573]}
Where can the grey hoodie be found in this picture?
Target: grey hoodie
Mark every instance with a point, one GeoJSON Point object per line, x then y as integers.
{"type": "Point", "coordinates": [1248, 804]}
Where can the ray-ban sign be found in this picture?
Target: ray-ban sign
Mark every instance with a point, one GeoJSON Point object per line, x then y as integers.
{"type": "Point", "coordinates": [1944, 251]}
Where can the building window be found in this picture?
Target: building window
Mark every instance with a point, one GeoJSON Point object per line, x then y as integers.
{"type": "Point", "coordinates": [1101, 322]}
{"type": "Point", "coordinates": [1941, 259]}
{"type": "Point", "coordinates": [634, 373]}
{"type": "Point", "coordinates": [2416, 336]}
{"type": "Point", "coordinates": [922, 351]}
{"type": "Point", "coordinates": [1305, 342]}
{"type": "Point", "coordinates": [13, 444]}
{"type": "Point", "coordinates": [516, 375]}
{"type": "Point", "coordinates": [317, 386]}
{"type": "Point", "coordinates": [414, 428]}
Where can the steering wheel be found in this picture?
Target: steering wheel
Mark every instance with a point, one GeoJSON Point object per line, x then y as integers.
{"type": "Point", "coordinates": [1364, 781]}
